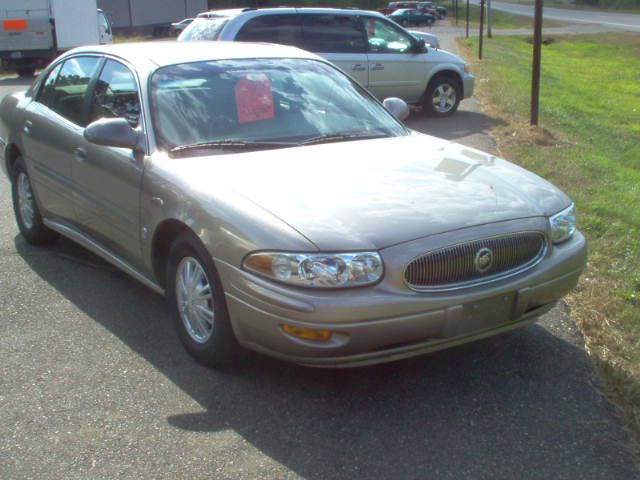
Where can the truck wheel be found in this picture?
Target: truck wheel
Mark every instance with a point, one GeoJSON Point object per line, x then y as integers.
{"type": "Point", "coordinates": [197, 304]}
{"type": "Point", "coordinates": [442, 96]}
{"type": "Point", "coordinates": [25, 71]}
{"type": "Point", "coordinates": [26, 210]}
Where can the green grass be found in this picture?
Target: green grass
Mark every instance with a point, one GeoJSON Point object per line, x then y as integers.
{"type": "Point", "coordinates": [501, 20]}
{"type": "Point", "coordinates": [590, 147]}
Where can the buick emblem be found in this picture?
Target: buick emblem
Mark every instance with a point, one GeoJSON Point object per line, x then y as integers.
{"type": "Point", "coordinates": [483, 260]}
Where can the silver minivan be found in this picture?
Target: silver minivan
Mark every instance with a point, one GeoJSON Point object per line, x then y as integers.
{"type": "Point", "coordinates": [379, 54]}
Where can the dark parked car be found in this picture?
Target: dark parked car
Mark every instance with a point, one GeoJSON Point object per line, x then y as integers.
{"type": "Point", "coordinates": [409, 16]}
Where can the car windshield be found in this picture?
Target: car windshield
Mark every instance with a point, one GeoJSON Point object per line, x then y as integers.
{"type": "Point", "coordinates": [262, 103]}
{"type": "Point", "coordinates": [203, 29]}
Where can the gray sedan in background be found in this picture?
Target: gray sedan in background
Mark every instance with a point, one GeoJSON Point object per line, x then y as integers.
{"type": "Point", "coordinates": [279, 206]}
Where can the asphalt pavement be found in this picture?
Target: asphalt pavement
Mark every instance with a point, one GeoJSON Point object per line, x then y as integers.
{"type": "Point", "coordinates": [610, 20]}
{"type": "Point", "coordinates": [94, 384]}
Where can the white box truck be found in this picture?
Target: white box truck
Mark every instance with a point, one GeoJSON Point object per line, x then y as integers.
{"type": "Point", "coordinates": [33, 32]}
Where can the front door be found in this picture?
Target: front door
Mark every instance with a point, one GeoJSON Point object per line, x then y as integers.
{"type": "Point", "coordinates": [107, 179]}
{"type": "Point", "coordinates": [396, 69]}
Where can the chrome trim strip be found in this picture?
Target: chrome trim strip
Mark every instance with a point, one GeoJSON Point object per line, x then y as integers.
{"type": "Point", "coordinates": [102, 252]}
{"type": "Point", "coordinates": [480, 281]}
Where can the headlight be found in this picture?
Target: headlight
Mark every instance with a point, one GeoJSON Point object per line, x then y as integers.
{"type": "Point", "coordinates": [563, 224]}
{"type": "Point", "coordinates": [318, 270]}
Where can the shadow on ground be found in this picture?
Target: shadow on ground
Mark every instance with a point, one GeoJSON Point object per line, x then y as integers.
{"type": "Point", "coordinates": [520, 405]}
{"type": "Point", "coordinates": [463, 123]}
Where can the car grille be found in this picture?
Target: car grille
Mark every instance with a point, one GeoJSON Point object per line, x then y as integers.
{"type": "Point", "coordinates": [476, 261]}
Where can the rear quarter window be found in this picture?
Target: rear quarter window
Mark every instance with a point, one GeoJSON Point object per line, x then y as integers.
{"type": "Point", "coordinates": [281, 29]}
{"type": "Point", "coordinates": [333, 34]}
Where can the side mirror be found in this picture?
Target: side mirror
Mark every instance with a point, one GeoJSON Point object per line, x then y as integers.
{"type": "Point", "coordinates": [113, 132]}
{"type": "Point", "coordinates": [397, 107]}
{"type": "Point", "coordinates": [421, 46]}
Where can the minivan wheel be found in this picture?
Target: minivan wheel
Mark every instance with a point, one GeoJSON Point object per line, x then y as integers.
{"type": "Point", "coordinates": [442, 96]}
{"type": "Point", "coordinates": [197, 304]}
{"type": "Point", "coordinates": [26, 209]}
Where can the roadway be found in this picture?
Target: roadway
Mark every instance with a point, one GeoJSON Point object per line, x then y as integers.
{"type": "Point", "coordinates": [609, 20]}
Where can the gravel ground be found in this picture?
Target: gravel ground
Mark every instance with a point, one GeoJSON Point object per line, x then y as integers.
{"type": "Point", "coordinates": [94, 384]}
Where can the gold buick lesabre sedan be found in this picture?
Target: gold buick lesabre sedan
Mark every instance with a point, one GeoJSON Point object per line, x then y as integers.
{"type": "Point", "coordinates": [279, 206]}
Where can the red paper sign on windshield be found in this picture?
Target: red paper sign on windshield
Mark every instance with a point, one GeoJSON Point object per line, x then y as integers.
{"type": "Point", "coordinates": [254, 99]}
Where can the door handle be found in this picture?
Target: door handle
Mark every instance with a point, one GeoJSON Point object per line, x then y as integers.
{"type": "Point", "coordinates": [378, 66]}
{"type": "Point", "coordinates": [79, 154]}
{"type": "Point", "coordinates": [359, 67]}
{"type": "Point", "coordinates": [27, 127]}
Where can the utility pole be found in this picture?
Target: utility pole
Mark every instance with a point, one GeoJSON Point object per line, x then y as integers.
{"type": "Point", "coordinates": [489, 19]}
{"type": "Point", "coordinates": [535, 69]}
{"type": "Point", "coordinates": [467, 30]}
{"type": "Point", "coordinates": [481, 29]}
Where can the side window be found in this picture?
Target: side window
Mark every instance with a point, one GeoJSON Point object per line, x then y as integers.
{"type": "Point", "coordinates": [115, 94]}
{"type": "Point", "coordinates": [68, 93]}
{"type": "Point", "coordinates": [333, 34]}
{"type": "Point", "coordinates": [47, 87]}
{"type": "Point", "coordinates": [385, 38]}
{"type": "Point", "coordinates": [282, 29]}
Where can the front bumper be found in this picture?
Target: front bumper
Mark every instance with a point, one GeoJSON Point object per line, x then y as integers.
{"type": "Point", "coordinates": [388, 321]}
{"type": "Point", "coordinates": [468, 84]}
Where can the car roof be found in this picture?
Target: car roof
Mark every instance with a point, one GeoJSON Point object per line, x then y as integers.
{"type": "Point", "coordinates": [161, 53]}
{"type": "Point", "coordinates": [261, 11]}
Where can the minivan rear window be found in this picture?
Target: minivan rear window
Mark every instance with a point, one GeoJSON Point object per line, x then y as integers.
{"type": "Point", "coordinates": [204, 29]}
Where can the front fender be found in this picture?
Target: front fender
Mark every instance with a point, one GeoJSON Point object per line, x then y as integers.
{"type": "Point", "coordinates": [228, 224]}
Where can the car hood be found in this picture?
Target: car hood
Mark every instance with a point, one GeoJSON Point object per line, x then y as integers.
{"type": "Point", "coordinates": [371, 194]}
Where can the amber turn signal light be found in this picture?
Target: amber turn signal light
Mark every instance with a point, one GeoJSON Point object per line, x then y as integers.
{"type": "Point", "coordinates": [307, 333]}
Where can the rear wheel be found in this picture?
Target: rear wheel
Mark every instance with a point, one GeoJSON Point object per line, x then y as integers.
{"type": "Point", "coordinates": [26, 209]}
{"type": "Point", "coordinates": [442, 96]}
{"type": "Point", "coordinates": [197, 304]}
{"type": "Point", "coordinates": [25, 71]}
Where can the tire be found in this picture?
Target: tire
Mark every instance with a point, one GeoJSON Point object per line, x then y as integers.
{"type": "Point", "coordinates": [429, 23]}
{"type": "Point", "coordinates": [26, 209]}
{"type": "Point", "coordinates": [25, 71]}
{"type": "Point", "coordinates": [442, 84]}
{"type": "Point", "coordinates": [211, 342]}
{"type": "Point", "coordinates": [442, 16]}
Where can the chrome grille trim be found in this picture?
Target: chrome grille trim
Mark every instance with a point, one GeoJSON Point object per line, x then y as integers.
{"type": "Point", "coordinates": [452, 267]}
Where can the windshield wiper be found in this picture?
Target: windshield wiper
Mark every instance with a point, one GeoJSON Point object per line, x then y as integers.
{"type": "Point", "coordinates": [341, 137]}
{"type": "Point", "coordinates": [230, 145]}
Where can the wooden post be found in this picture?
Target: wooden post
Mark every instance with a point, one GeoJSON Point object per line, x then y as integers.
{"type": "Point", "coordinates": [535, 69]}
{"type": "Point", "coordinates": [467, 30]}
{"type": "Point", "coordinates": [456, 12]}
{"type": "Point", "coordinates": [481, 29]}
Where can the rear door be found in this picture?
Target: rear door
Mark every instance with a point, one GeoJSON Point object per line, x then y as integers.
{"type": "Point", "coordinates": [396, 69]}
{"type": "Point", "coordinates": [107, 179]}
{"type": "Point", "coordinates": [340, 39]}
{"type": "Point", "coordinates": [54, 126]}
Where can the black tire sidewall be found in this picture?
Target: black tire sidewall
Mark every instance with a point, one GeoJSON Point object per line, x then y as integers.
{"type": "Point", "coordinates": [428, 105]}
{"type": "Point", "coordinates": [221, 347]}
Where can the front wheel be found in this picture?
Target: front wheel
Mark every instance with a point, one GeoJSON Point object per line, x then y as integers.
{"type": "Point", "coordinates": [26, 209]}
{"type": "Point", "coordinates": [442, 96]}
{"type": "Point", "coordinates": [197, 304]}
